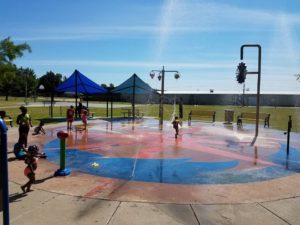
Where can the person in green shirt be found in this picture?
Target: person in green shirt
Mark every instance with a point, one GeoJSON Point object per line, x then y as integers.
{"type": "Point", "coordinates": [24, 122]}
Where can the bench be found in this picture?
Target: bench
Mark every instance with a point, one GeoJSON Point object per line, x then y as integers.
{"type": "Point", "coordinates": [251, 116]}
{"type": "Point", "coordinates": [127, 112]}
{"type": "Point", "coordinates": [201, 114]}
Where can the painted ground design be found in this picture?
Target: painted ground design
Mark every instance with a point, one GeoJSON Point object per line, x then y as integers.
{"type": "Point", "coordinates": [204, 153]}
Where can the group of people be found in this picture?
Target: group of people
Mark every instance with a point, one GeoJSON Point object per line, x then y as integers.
{"type": "Point", "coordinates": [32, 153]}
{"type": "Point", "coordinates": [82, 111]}
{"type": "Point", "coordinates": [29, 154]}
{"type": "Point", "coordinates": [24, 122]}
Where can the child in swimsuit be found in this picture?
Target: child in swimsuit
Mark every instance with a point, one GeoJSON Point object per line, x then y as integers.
{"type": "Point", "coordinates": [175, 123]}
{"type": "Point", "coordinates": [84, 118]}
{"type": "Point", "coordinates": [31, 161]}
{"type": "Point", "coordinates": [39, 129]}
{"type": "Point", "coordinates": [70, 117]}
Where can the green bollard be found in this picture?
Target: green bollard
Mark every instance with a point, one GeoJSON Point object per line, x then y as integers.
{"type": "Point", "coordinates": [62, 171]}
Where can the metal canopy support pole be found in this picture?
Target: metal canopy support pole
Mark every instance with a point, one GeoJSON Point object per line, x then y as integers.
{"type": "Point", "coordinates": [107, 105]}
{"type": "Point", "coordinates": [111, 107]}
{"type": "Point", "coordinates": [133, 98]}
{"type": "Point", "coordinates": [161, 105]}
{"type": "Point", "coordinates": [76, 95]}
{"type": "Point", "coordinates": [258, 82]}
{"type": "Point", "coordinates": [87, 101]}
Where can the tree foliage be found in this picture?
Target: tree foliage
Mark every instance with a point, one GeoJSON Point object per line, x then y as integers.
{"type": "Point", "coordinates": [25, 79]}
{"type": "Point", "coordinates": [7, 78]}
{"type": "Point", "coordinates": [10, 51]}
{"type": "Point", "coordinates": [50, 81]}
{"type": "Point", "coordinates": [108, 87]}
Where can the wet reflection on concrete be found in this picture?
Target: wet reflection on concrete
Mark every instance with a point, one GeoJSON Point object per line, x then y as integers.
{"type": "Point", "coordinates": [202, 154]}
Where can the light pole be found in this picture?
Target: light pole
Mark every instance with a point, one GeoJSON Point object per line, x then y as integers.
{"type": "Point", "coordinates": [243, 101]}
{"type": "Point", "coordinates": [161, 77]}
{"type": "Point", "coordinates": [258, 72]}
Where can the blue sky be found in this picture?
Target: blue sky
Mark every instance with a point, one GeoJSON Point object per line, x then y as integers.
{"type": "Point", "coordinates": [109, 40]}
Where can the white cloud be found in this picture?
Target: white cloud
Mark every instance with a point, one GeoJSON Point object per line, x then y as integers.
{"type": "Point", "coordinates": [134, 64]}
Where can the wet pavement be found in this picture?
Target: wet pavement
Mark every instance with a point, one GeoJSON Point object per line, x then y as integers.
{"type": "Point", "coordinates": [132, 164]}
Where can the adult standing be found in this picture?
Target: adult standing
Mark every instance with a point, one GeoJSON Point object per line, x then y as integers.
{"type": "Point", "coordinates": [24, 122]}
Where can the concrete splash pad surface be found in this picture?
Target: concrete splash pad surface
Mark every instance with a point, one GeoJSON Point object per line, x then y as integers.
{"type": "Point", "coordinates": [207, 163]}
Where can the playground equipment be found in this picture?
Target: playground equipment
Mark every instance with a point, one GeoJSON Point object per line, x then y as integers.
{"type": "Point", "coordinates": [258, 72]}
{"type": "Point", "coordinates": [62, 171]}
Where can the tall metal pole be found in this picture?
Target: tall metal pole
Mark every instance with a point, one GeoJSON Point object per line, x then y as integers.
{"type": "Point", "coordinates": [133, 98]}
{"type": "Point", "coordinates": [107, 105]}
{"type": "Point", "coordinates": [288, 135]}
{"type": "Point", "coordinates": [258, 80]}
{"type": "Point", "coordinates": [76, 94]}
{"type": "Point", "coordinates": [243, 100]}
{"type": "Point", "coordinates": [161, 105]}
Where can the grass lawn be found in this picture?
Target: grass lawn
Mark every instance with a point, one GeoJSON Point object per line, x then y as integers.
{"type": "Point", "coordinates": [278, 119]}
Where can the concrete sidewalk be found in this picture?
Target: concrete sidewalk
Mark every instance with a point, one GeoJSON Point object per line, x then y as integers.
{"type": "Point", "coordinates": [42, 207]}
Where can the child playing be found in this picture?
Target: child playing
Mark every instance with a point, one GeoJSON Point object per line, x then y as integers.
{"type": "Point", "coordinates": [31, 161]}
{"type": "Point", "coordinates": [175, 123]}
{"type": "Point", "coordinates": [70, 117]}
{"type": "Point", "coordinates": [84, 118]}
{"type": "Point", "coordinates": [19, 151]}
{"type": "Point", "coordinates": [39, 129]}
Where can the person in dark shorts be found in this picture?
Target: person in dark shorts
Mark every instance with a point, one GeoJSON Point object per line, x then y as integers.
{"type": "Point", "coordinates": [24, 122]}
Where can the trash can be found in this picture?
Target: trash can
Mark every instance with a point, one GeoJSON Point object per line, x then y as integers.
{"type": "Point", "coordinates": [229, 113]}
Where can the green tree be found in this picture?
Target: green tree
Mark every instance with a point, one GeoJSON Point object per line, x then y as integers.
{"type": "Point", "coordinates": [8, 52]}
{"type": "Point", "coordinates": [7, 78]}
{"type": "Point", "coordinates": [108, 87]}
{"type": "Point", "coordinates": [25, 80]}
{"type": "Point", "coordinates": [50, 81]}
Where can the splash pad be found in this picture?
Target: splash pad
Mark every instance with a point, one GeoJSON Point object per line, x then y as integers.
{"type": "Point", "coordinates": [203, 154]}
{"type": "Point", "coordinates": [137, 160]}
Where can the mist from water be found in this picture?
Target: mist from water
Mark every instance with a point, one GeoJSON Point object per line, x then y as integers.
{"type": "Point", "coordinates": [166, 21]}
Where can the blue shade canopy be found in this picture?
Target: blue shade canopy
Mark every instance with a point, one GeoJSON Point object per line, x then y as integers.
{"type": "Point", "coordinates": [133, 85]}
{"type": "Point", "coordinates": [78, 83]}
